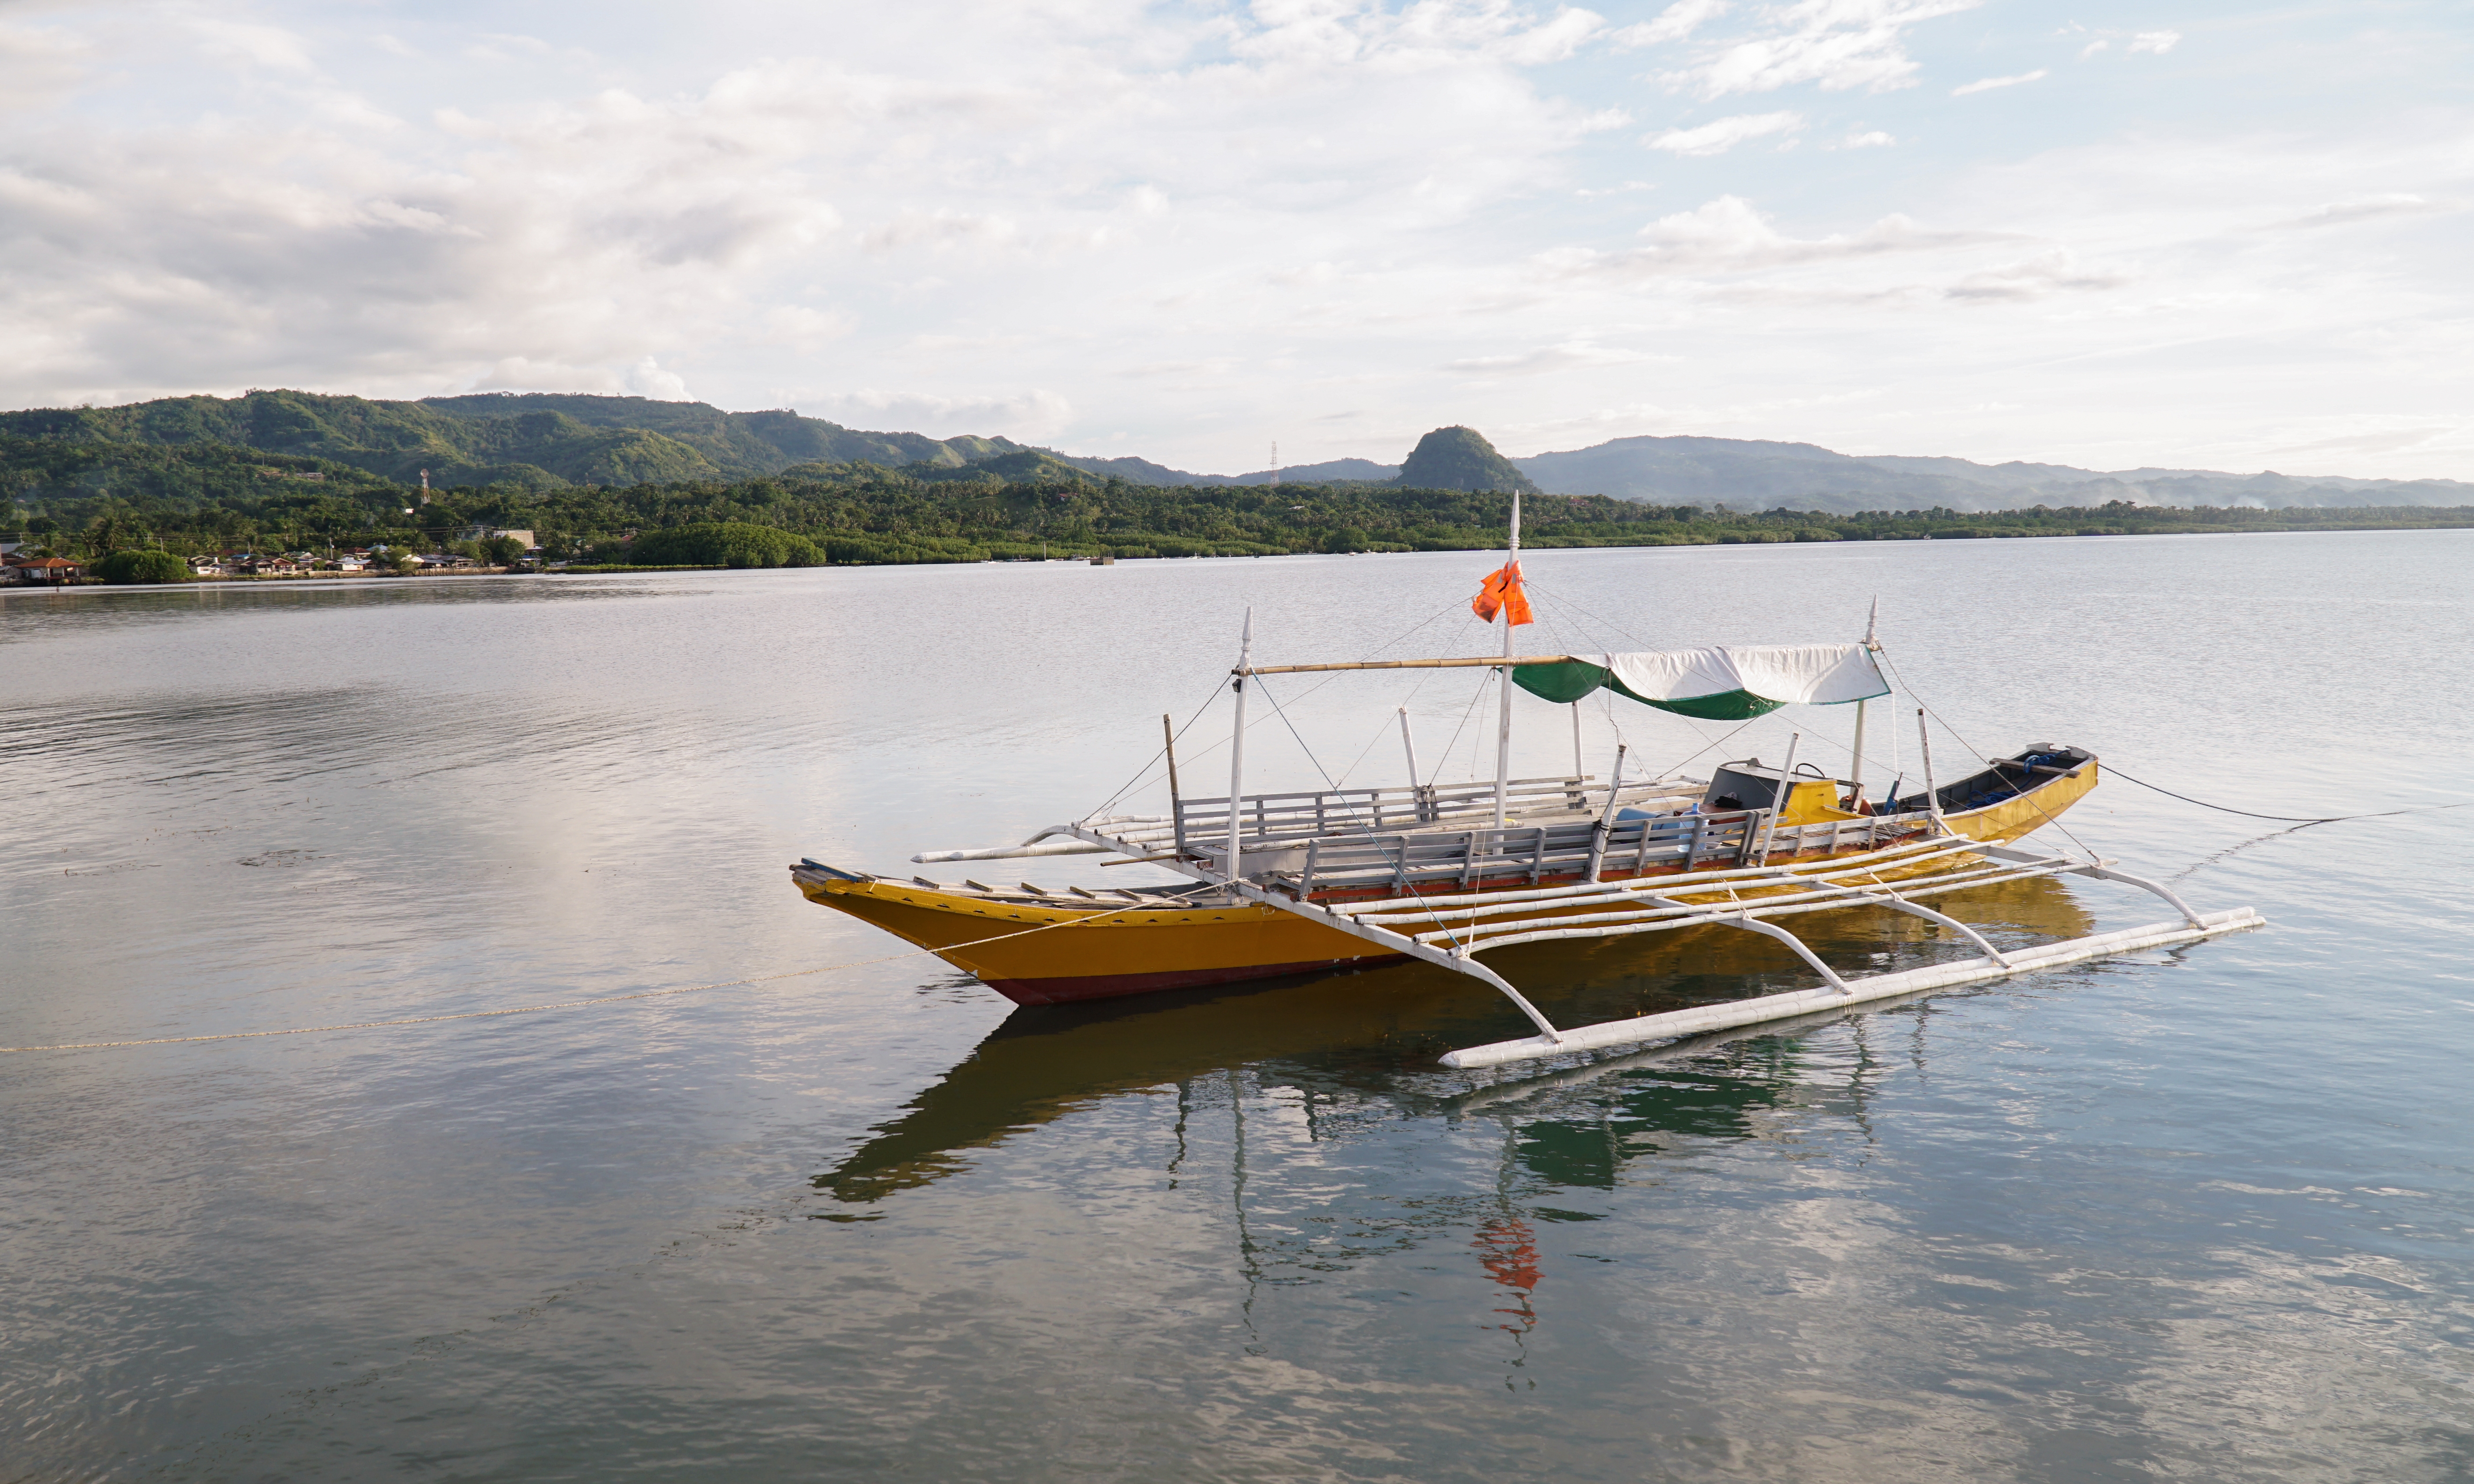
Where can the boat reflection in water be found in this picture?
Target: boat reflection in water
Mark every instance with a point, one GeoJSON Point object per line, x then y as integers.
{"type": "Point", "coordinates": [1369, 1039]}
{"type": "Point", "coordinates": [1291, 1097]}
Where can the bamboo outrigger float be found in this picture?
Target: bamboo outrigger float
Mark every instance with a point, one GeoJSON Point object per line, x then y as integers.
{"type": "Point", "coordinates": [1291, 883]}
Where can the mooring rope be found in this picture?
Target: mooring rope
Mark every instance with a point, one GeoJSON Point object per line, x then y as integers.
{"type": "Point", "coordinates": [2290, 819]}
{"type": "Point", "coordinates": [1982, 758]}
{"type": "Point", "coordinates": [567, 1004]}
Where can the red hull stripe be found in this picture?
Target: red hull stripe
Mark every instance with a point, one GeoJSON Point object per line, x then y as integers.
{"type": "Point", "coordinates": [1067, 990]}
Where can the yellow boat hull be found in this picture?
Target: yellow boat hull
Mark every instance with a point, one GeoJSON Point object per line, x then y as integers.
{"type": "Point", "coordinates": [1037, 955]}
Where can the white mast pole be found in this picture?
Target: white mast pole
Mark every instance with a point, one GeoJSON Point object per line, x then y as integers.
{"type": "Point", "coordinates": [1409, 745]}
{"type": "Point", "coordinates": [1237, 748]}
{"type": "Point", "coordinates": [1932, 795]}
{"type": "Point", "coordinates": [1855, 765]}
{"type": "Point", "coordinates": [1503, 718]}
{"type": "Point", "coordinates": [1577, 769]}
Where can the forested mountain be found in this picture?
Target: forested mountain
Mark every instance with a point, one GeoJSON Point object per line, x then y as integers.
{"type": "Point", "coordinates": [1758, 475]}
{"type": "Point", "coordinates": [863, 513]}
{"type": "Point", "coordinates": [205, 447]}
{"type": "Point", "coordinates": [540, 441]}
{"type": "Point", "coordinates": [1755, 474]}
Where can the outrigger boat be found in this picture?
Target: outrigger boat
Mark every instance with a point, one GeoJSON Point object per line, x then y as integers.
{"type": "Point", "coordinates": [1344, 878]}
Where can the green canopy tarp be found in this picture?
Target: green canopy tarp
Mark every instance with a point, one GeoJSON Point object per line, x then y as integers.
{"type": "Point", "coordinates": [1720, 682]}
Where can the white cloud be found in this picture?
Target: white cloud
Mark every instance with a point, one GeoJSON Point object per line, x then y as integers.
{"type": "Point", "coordinates": [1273, 211]}
{"type": "Point", "coordinates": [2386, 439]}
{"type": "Point", "coordinates": [940, 230]}
{"type": "Point", "coordinates": [1567, 356]}
{"type": "Point", "coordinates": [1025, 414]}
{"type": "Point", "coordinates": [2053, 273]}
{"type": "Point", "coordinates": [2091, 48]}
{"type": "Point", "coordinates": [2155, 43]}
{"type": "Point", "coordinates": [1988, 85]}
{"type": "Point", "coordinates": [647, 378]}
{"type": "Point", "coordinates": [1724, 134]}
{"type": "Point", "coordinates": [1728, 235]}
{"type": "Point", "coordinates": [1553, 41]}
{"type": "Point", "coordinates": [1672, 24]}
{"type": "Point", "coordinates": [2364, 208]}
{"type": "Point", "coordinates": [39, 65]}
{"type": "Point", "coordinates": [1836, 43]}
{"type": "Point", "coordinates": [259, 45]}
{"type": "Point", "coordinates": [802, 327]}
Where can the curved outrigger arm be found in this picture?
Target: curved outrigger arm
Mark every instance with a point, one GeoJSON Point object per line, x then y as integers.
{"type": "Point", "coordinates": [2101, 871]}
{"type": "Point", "coordinates": [1801, 951]}
{"type": "Point", "coordinates": [1450, 930]}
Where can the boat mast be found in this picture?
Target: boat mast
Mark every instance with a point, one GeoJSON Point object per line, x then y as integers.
{"type": "Point", "coordinates": [1855, 764]}
{"type": "Point", "coordinates": [1237, 745]}
{"type": "Point", "coordinates": [1175, 805]}
{"type": "Point", "coordinates": [1932, 795]}
{"type": "Point", "coordinates": [1503, 718]}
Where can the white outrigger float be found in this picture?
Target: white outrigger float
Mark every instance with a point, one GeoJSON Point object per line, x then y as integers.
{"type": "Point", "coordinates": [1341, 878]}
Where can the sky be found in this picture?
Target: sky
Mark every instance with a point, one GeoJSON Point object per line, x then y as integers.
{"type": "Point", "coordinates": [2113, 235]}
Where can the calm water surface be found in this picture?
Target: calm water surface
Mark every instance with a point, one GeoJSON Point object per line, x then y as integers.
{"type": "Point", "coordinates": [2197, 1215]}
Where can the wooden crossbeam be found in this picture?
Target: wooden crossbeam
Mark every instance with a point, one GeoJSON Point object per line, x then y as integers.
{"type": "Point", "coordinates": [1492, 660]}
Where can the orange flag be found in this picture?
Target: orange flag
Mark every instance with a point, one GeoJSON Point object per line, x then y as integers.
{"type": "Point", "coordinates": [1503, 593]}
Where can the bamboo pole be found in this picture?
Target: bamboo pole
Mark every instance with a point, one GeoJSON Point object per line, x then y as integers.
{"type": "Point", "coordinates": [1779, 799]}
{"type": "Point", "coordinates": [1237, 748]}
{"type": "Point", "coordinates": [1855, 763]}
{"type": "Point", "coordinates": [1932, 795]}
{"type": "Point", "coordinates": [1175, 810]}
{"type": "Point", "coordinates": [1606, 821]}
{"type": "Point", "coordinates": [1503, 676]}
{"type": "Point", "coordinates": [1472, 662]}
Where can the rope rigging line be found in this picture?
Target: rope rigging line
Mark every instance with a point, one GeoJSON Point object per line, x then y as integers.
{"type": "Point", "coordinates": [1367, 829]}
{"type": "Point", "coordinates": [1144, 777]}
{"type": "Point", "coordinates": [1142, 773]}
{"type": "Point", "coordinates": [570, 1004]}
{"type": "Point", "coordinates": [1587, 613]}
{"type": "Point", "coordinates": [2290, 819]}
{"type": "Point", "coordinates": [1435, 774]}
{"type": "Point", "coordinates": [1902, 678]}
{"type": "Point", "coordinates": [1380, 728]}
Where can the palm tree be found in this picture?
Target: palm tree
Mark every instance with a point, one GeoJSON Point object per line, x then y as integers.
{"type": "Point", "coordinates": [108, 533]}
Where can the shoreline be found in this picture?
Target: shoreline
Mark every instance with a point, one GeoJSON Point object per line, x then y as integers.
{"type": "Point", "coordinates": [201, 585]}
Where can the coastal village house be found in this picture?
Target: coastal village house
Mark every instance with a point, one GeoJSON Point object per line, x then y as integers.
{"type": "Point", "coordinates": [38, 569]}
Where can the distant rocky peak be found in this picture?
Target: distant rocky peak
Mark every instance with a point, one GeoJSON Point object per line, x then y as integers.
{"type": "Point", "coordinates": [1458, 458]}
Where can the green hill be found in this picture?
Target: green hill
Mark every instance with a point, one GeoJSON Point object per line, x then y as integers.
{"type": "Point", "coordinates": [1458, 458]}
{"type": "Point", "coordinates": [1028, 466]}
{"type": "Point", "coordinates": [593, 476]}
{"type": "Point", "coordinates": [737, 442]}
{"type": "Point", "coordinates": [538, 441]}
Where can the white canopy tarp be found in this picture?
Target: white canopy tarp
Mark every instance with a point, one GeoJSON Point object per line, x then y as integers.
{"type": "Point", "coordinates": [1791, 674]}
{"type": "Point", "coordinates": [1720, 681]}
